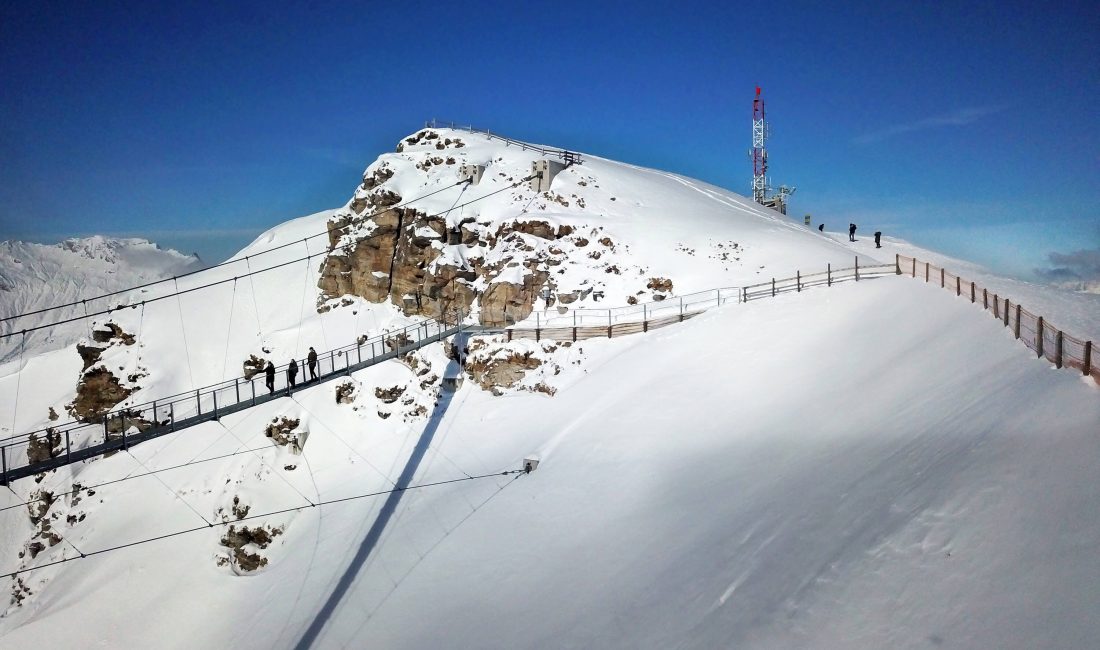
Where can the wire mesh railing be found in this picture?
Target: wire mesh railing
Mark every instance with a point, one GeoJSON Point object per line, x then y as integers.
{"type": "Point", "coordinates": [30, 453]}
{"type": "Point", "coordinates": [1036, 332]}
{"type": "Point", "coordinates": [577, 324]}
{"type": "Point", "coordinates": [127, 424]}
{"type": "Point", "coordinates": [570, 157]}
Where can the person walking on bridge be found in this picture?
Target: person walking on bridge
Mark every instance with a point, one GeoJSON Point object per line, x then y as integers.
{"type": "Point", "coordinates": [311, 359]}
{"type": "Point", "coordinates": [269, 373]}
{"type": "Point", "coordinates": [851, 232]}
{"type": "Point", "coordinates": [291, 373]}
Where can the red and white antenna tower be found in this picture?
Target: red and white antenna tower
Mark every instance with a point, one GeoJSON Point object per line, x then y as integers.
{"type": "Point", "coordinates": [759, 153]}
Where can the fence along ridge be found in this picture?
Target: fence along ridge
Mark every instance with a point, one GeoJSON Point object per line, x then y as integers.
{"type": "Point", "coordinates": [1038, 334]}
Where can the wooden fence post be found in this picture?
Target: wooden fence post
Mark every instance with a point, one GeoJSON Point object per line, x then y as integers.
{"type": "Point", "coordinates": [1017, 329]}
{"type": "Point", "coordinates": [927, 270]}
{"type": "Point", "coordinates": [943, 278]}
{"type": "Point", "coordinates": [996, 307]}
{"type": "Point", "coordinates": [1039, 338]}
{"type": "Point", "coordinates": [645, 319]}
{"type": "Point", "coordinates": [897, 263]}
{"type": "Point", "coordinates": [958, 286]}
{"type": "Point", "coordinates": [985, 298]}
{"type": "Point", "coordinates": [1006, 312]}
{"type": "Point", "coordinates": [830, 276]}
{"type": "Point", "coordinates": [972, 298]}
{"type": "Point", "coordinates": [857, 268]}
{"type": "Point", "coordinates": [1086, 369]}
{"type": "Point", "coordinates": [1058, 349]}
{"type": "Point", "coordinates": [914, 267]}
{"type": "Point", "coordinates": [798, 280]}
{"type": "Point", "coordinates": [773, 287]}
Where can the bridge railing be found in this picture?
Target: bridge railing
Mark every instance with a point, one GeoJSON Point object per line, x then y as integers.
{"type": "Point", "coordinates": [1036, 332]}
{"type": "Point", "coordinates": [126, 424]}
{"type": "Point", "coordinates": [693, 303]}
{"type": "Point", "coordinates": [565, 155]}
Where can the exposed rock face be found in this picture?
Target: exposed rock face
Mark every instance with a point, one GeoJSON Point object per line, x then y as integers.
{"type": "Point", "coordinates": [44, 447]}
{"type": "Point", "coordinates": [89, 354]}
{"type": "Point", "coordinates": [505, 303]}
{"type": "Point", "coordinates": [389, 395]}
{"type": "Point", "coordinates": [243, 542]}
{"type": "Point", "coordinates": [501, 371]}
{"type": "Point", "coordinates": [663, 285]}
{"type": "Point", "coordinates": [112, 331]}
{"type": "Point", "coordinates": [99, 390]}
{"type": "Point", "coordinates": [253, 365]}
{"type": "Point", "coordinates": [384, 253]}
{"type": "Point", "coordinates": [97, 393]}
{"type": "Point", "coordinates": [345, 393]}
{"type": "Point", "coordinates": [282, 431]}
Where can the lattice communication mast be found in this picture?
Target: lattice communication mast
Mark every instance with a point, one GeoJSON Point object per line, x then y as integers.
{"type": "Point", "coordinates": [761, 191]}
{"type": "Point", "coordinates": [759, 153]}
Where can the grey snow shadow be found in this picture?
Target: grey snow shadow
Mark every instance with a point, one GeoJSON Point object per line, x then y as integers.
{"type": "Point", "coordinates": [393, 499]}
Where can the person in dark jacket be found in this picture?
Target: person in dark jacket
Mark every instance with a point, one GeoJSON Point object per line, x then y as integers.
{"type": "Point", "coordinates": [851, 232]}
{"type": "Point", "coordinates": [821, 227]}
{"type": "Point", "coordinates": [312, 359]}
{"type": "Point", "coordinates": [269, 373]}
{"type": "Point", "coordinates": [291, 372]}
{"type": "Point", "coordinates": [878, 239]}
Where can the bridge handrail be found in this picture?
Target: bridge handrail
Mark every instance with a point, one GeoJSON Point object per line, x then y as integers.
{"type": "Point", "coordinates": [564, 154]}
{"type": "Point", "coordinates": [187, 408]}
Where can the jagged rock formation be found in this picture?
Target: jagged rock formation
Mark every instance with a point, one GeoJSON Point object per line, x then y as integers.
{"type": "Point", "coordinates": [283, 431]}
{"type": "Point", "coordinates": [99, 390]}
{"type": "Point", "coordinates": [97, 393]}
{"type": "Point", "coordinates": [439, 266]}
{"type": "Point", "coordinates": [243, 544]}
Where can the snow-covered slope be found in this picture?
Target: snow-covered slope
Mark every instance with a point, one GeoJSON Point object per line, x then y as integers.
{"type": "Point", "coordinates": [869, 465]}
{"type": "Point", "coordinates": [34, 276]}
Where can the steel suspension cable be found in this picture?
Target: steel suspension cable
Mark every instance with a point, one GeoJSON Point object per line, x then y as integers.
{"type": "Point", "coordinates": [272, 513]}
{"type": "Point", "coordinates": [229, 329]}
{"type": "Point", "coordinates": [183, 328]}
{"type": "Point", "coordinates": [345, 247]}
{"type": "Point", "coordinates": [221, 264]}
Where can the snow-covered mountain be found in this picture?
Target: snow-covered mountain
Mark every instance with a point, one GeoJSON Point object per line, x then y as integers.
{"type": "Point", "coordinates": [34, 276]}
{"type": "Point", "coordinates": [867, 465]}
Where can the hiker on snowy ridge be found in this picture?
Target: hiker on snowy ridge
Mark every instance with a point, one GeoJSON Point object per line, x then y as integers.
{"type": "Point", "coordinates": [851, 232]}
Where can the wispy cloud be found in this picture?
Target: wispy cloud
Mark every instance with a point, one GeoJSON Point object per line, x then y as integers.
{"type": "Point", "coordinates": [958, 117]}
{"type": "Point", "coordinates": [1081, 266]}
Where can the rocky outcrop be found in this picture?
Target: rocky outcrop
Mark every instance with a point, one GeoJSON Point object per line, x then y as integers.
{"type": "Point", "coordinates": [44, 447]}
{"type": "Point", "coordinates": [282, 431]}
{"type": "Point", "coordinates": [97, 393]}
{"type": "Point", "coordinates": [501, 370]}
{"type": "Point", "coordinates": [389, 395]}
{"type": "Point", "coordinates": [112, 332]}
{"type": "Point", "coordinates": [345, 393]}
{"type": "Point", "coordinates": [243, 544]}
{"type": "Point", "coordinates": [253, 366]}
{"type": "Point", "coordinates": [89, 354]}
{"type": "Point", "coordinates": [505, 303]}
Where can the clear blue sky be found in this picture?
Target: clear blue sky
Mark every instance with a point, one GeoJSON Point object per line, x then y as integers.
{"type": "Point", "coordinates": [969, 128]}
